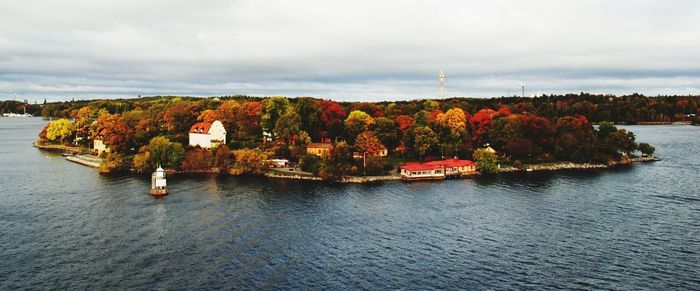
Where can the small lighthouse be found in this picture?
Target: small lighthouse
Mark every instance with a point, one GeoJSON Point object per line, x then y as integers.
{"type": "Point", "coordinates": [158, 183]}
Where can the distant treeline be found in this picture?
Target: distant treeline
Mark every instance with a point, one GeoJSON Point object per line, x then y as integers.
{"type": "Point", "coordinates": [627, 109]}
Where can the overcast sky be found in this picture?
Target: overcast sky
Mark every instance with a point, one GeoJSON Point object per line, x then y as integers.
{"type": "Point", "coordinates": [346, 50]}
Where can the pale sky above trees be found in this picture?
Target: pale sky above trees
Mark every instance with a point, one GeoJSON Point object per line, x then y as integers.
{"type": "Point", "coordinates": [346, 50]}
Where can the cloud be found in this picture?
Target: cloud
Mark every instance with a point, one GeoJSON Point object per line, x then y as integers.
{"type": "Point", "coordinates": [346, 50]}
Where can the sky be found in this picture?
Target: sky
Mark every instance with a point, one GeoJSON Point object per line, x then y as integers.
{"type": "Point", "coordinates": [346, 50]}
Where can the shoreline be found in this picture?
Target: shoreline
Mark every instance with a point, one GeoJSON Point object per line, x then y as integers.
{"type": "Point", "coordinates": [79, 157]}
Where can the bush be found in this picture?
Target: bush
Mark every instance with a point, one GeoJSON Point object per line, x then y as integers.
{"type": "Point", "coordinates": [374, 166]}
{"type": "Point", "coordinates": [249, 161]}
{"type": "Point", "coordinates": [310, 163]}
{"type": "Point", "coordinates": [114, 163]}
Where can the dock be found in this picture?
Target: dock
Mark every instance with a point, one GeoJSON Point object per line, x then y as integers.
{"type": "Point", "coordinates": [85, 160]}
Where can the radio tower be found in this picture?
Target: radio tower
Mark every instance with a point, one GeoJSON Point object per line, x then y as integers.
{"type": "Point", "coordinates": [442, 84]}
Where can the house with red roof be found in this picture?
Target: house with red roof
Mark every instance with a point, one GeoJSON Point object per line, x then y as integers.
{"type": "Point", "coordinates": [98, 146]}
{"type": "Point", "coordinates": [207, 134]}
{"type": "Point", "coordinates": [437, 170]}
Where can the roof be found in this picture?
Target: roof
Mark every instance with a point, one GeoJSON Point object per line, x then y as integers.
{"type": "Point", "coordinates": [200, 127]}
{"type": "Point", "coordinates": [415, 166]}
{"type": "Point", "coordinates": [320, 145]}
{"type": "Point", "coordinates": [452, 163]}
{"type": "Point", "coordinates": [101, 134]}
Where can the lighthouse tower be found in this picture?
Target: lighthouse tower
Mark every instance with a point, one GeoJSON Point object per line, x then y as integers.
{"type": "Point", "coordinates": [158, 183]}
{"type": "Point", "coordinates": [442, 84]}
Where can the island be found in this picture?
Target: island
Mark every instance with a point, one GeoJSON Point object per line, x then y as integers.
{"type": "Point", "coordinates": [317, 139]}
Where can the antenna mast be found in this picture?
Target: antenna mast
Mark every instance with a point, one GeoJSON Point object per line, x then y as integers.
{"type": "Point", "coordinates": [442, 84]}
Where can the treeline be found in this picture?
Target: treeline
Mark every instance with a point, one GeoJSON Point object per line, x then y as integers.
{"type": "Point", "coordinates": [11, 106]}
{"type": "Point", "coordinates": [148, 131]}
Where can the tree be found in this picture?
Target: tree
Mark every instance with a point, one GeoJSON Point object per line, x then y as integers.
{"type": "Point", "coordinates": [357, 122]}
{"type": "Point", "coordinates": [404, 122]}
{"type": "Point", "coordinates": [485, 161]}
{"type": "Point", "coordinates": [249, 161]}
{"type": "Point", "coordinates": [287, 127]}
{"type": "Point", "coordinates": [424, 140]}
{"type": "Point", "coordinates": [180, 116]}
{"type": "Point", "coordinates": [160, 151]}
{"type": "Point", "coordinates": [309, 116]}
{"type": "Point", "coordinates": [367, 142]}
{"type": "Point", "coordinates": [387, 132]}
{"type": "Point", "coordinates": [332, 116]}
{"type": "Point", "coordinates": [338, 163]}
{"type": "Point", "coordinates": [165, 152]}
{"type": "Point", "coordinates": [454, 119]}
{"type": "Point", "coordinates": [221, 158]}
{"type": "Point", "coordinates": [198, 160]}
{"type": "Point", "coordinates": [272, 109]}
{"type": "Point", "coordinates": [59, 129]}
{"type": "Point", "coordinates": [646, 149]}
{"type": "Point", "coordinates": [208, 116]}
{"type": "Point", "coordinates": [118, 135]}
{"type": "Point", "coordinates": [374, 166]}
{"type": "Point", "coordinates": [310, 163]}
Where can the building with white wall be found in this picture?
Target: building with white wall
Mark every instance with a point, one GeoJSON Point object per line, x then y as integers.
{"type": "Point", "coordinates": [207, 135]}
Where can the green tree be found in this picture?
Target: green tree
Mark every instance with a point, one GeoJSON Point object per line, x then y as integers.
{"type": "Point", "coordinates": [485, 161]}
{"type": "Point", "coordinates": [646, 149]}
{"type": "Point", "coordinates": [309, 116]}
{"type": "Point", "coordinates": [272, 109]}
{"type": "Point", "coordinates": [338, 163]}
{"type": "Point", "coordinates": [310, 163]}
{"type": "Point", "coordinates": [387, 132]}
{"type": "Point", "coordinates": [287, 127]}
{"type": "Point", "coordinates": [424, 140]}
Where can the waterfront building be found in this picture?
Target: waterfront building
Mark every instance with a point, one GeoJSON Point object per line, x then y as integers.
{"type": "Point", "coordinates": [277, 163]}
{"type": "Point", "coordinates": [419, 171]}
{"type": "Point", "coordinates": [99, 146]}
{"type": "Point", "coordinates": [319, 149]}
{"type": "Point", "coordinates": [436, 170]}
{"type": "Point", "coordinates": [207, 134]}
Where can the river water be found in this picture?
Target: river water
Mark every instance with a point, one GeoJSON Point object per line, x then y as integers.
{"type": "Point", "coordinates": [64, 226]}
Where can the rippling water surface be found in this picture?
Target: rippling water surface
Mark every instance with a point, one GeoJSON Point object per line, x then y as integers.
{"type": "Point", "coordinates": [64, 226]}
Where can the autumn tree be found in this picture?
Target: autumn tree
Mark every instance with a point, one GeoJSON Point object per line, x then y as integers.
{"type": "Point", "coordinates": [404, 122]}
{"type": "Point", "coordinates": [249, 161]}
{"type": "Point", "coordinates": [198, 160]}
{"type": "Point", "coordinates": [332, 117]}
{"type": "Point", "coordinates": [180, 116]}
{"type": "Point", "coordinates": [357, 122]}
{"type": "Point", "coordinates": [59, 129]}
{"type": "Point", "coordinates": [367, 142]}
{"type": "Point", "coordinates": [119, 136]}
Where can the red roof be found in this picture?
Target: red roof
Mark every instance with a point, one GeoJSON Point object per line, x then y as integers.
{"type": "Point", "coordinates": [319, 145]}
{"type": "Point", "coordinates": [101, 134]}
{"type": "Point", "coordinates": [452, 163]}
{"type": "Point", "coordinates": [200, 127]}
{"type": "Point", "coordinates": [414, 166]}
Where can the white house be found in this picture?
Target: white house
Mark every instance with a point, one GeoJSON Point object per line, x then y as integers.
{"type": "Point", "coordinates": [207, 135]}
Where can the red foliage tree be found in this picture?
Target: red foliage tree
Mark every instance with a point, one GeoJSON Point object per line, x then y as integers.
{"type": "Point", "coordinates": [404, 122]}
